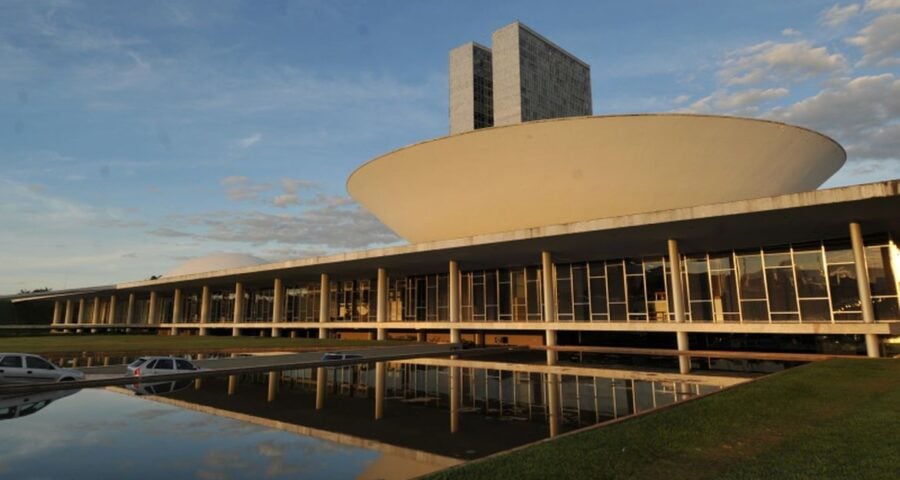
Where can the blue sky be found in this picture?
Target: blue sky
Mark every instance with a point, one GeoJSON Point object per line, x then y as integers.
{"type": "Point", "coordinates": [136, 135]}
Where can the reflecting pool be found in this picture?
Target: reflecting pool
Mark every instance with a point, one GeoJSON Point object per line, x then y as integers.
{"type": "Point", "coordinates": [105, 434]}
{"type": "Point", "coordinates": [320, 422]}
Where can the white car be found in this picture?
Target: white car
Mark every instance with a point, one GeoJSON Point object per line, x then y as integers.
{"type": "Point", "coordinates": [159, 388]}
{"type": "Point", "coordinates": [145, 366]}
{"type": "Point", "coordinates": [28, 368]}
{"type": "Point", "coordinates": [16, 406]}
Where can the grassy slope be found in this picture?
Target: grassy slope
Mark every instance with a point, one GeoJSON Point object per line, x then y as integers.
{"type": "Point", "coordinates": [148, 343]}
{"type": "Point", "coordinates": [835, 419]}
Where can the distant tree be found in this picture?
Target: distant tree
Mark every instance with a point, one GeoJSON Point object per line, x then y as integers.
{"type": "Point", "coordinates": [154, 277]}
{"type": "Point", "coordinates": [36, 290]}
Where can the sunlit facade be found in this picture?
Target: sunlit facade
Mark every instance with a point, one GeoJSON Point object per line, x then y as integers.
{"type": "Point", "coordinates": [555, 231]}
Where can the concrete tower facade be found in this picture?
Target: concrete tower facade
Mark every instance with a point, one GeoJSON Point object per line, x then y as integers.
{"type": "Point", "coordinates": [534, 79]}
{"type": "Point", "coordinates": [523, 77]}
{"type": "Point", "coordinates": [471, 88]}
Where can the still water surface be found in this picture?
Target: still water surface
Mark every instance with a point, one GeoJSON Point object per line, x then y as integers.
{"type": "Point", "coordinates": [103, 434]}
{"type": "Point", "coordinates": [221, 428]}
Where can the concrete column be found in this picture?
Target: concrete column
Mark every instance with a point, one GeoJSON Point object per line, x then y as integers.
{"type": "Point", "coordinates": [129, 313]}
{"type": "Point", "coordinates": [553, 403]}
{"type": "Point", "coordinates": [455, 398]}
{"type": "Point", "coordinates": [454, 302]}
{"type": "Point", "coordinates": [176, 310]}
{"type": "Point", "coordinates": [278, 307]}
{"type": "Point", "coordinates": [321, 384]}
{"type": "Point", "coordinates": [82, 310]}
{"type": "Point", "coordinates": [273, 386]}
{"type": "Point", "coordinates": [549, 290]}
{"type": "Point", "coordinates": [381, 305]}
{"type": "Point", "coordinates": [57, 312]}
{"type": "Point", "coordinates": [324, 298]}
{"type": "Point", "coordinates": [151, 309]}
{"type": "Point", "coordinates": [862, 282]}
{"type": "Point", "coordinates": [69, 311]}
{"type": "Point", "coordinates": [379, 389]}
{"type": "Point", "coordinates": [684, 361]}
{"type": "Point", "coordinates": [198, 382]}
{"type": "Point", "coordinates": [421, 336]}
{"type": "Point", "coordinates": [204, 310]}
{"type": "Point", "coordinates": [232, 381]}
{"type": "Point", "coordinates": [106, 361]}
{"type": "Point", "coordinates": [675, 280]}
{"type": "Point", "coordinates": [112, 310]}
{"type": "Point", "coordinates": [238, 308]}
{"type": "Point", "coordinates": [550, 340]}
{"type": "Point", "coordinates": [479, 339]}
{"type": "Point", "coordinates": [95, 314]}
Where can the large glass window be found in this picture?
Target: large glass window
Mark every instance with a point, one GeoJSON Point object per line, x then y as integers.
{"type": "Point", "coordinates": [842, 282]}
{"type": "Point", "coordinates": [724, 288]}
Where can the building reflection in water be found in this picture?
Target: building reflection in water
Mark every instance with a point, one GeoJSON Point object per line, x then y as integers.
{"type": "Point", "coordinates": [502, 405]}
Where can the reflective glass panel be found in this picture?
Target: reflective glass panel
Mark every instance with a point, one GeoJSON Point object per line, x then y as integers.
{"type": "Point", "coordinates": [844, 291]}
{"type": "Point", "coordinates": [881, 278]}
{"type": "Point", "coordinates": [782, 296]}
{"type": "Point", "coordinates": [810, 274]}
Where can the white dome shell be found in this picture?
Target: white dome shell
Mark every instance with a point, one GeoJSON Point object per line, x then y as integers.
{"type": "Point", "coordinates": [219, 261]}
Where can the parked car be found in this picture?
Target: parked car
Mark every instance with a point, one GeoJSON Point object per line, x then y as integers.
{"type": "Point", "coordinates": [15, 406]}
{"type": "Point", "coordinates": [145, 366]}
{"type": "Point", "coordinates": [159, 388]}
{"type": "Point", "coordinates": [27, 368]}
{"type": "Point", "coordinates": [330, 356]}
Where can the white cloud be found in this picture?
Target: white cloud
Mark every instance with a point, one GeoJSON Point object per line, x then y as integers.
{"type": "Point", "coordinates": [286, 200]}
{"type": "Point", "coordinates": [879, 41]}
{"type": "Point", "coordinates": [790, 32]}
{"type": "Point", "coordinates": [882, 4]}
{"type": "Point", "coordinates": [862, 113]}
{"type": "Point", "coordinates": [248, 142]}
{"type": "Point", "coordinates": [293, 185]}
{"type": "Point", "coordinates": [330, 226]}
{"type": "Point", "coordinates": [240, 188]}
{"type": "Point", "coordinates": [782, 62]}
{"type": "Point", "coordinates": [744, 102]}
{"type": "Point", "coordinates": [681, 99]}
{"type": "Point", "coordinates": [838, 15]}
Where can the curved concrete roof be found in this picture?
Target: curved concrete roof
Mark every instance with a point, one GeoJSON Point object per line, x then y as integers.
{"type": "Point", "coordinates": [576, 169]}
{"type": "Point", "coordinates": [210, 263]}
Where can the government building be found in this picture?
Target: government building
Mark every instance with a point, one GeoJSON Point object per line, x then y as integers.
{"type": "Point", "coordinates": [536, 223]}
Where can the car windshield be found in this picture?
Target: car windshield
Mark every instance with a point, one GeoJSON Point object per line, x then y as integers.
{"type": "Point", "coordinates": [138, 362]}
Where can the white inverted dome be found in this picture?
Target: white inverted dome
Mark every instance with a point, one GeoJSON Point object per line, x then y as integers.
{"type": "Point", "coordinates": [219, 261]}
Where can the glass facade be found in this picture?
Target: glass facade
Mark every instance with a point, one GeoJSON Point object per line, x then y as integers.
{"type": "Point", "coordinates": [808, 282]}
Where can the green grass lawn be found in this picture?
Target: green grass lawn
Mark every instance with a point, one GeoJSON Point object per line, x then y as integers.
{"type": "Point", "coordinates": [166, 344]}
{"type": "Point", "coordinates": [834, 419]}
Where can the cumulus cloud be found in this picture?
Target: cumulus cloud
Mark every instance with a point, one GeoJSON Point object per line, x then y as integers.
{"type": "Point", "coordinates": [783, 62]}
{"type": "Point", "coordinates": [790, 32]}
{"type": "Point", "coordinates": [293, 185]}
{"type": "Point", "coordinates": [338, 224]}
{"type": "Point", "coordinates": [838, 15]}
{"type": "Point", "coordinates": [286, 200]}
{"type": "Point", "coordinates": [882, 4]}
{"type": "Point", "coordinates": [879, 41]}
{"type": "Point", "coordinates": [744, 102]}
{"type": "Point", "coordinates": [863, 113]}
{"type": "Point", "coordinates": [240, 188]}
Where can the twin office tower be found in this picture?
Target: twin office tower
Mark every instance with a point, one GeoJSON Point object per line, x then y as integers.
{"type": "Point", "coordinates": [523, 77]}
